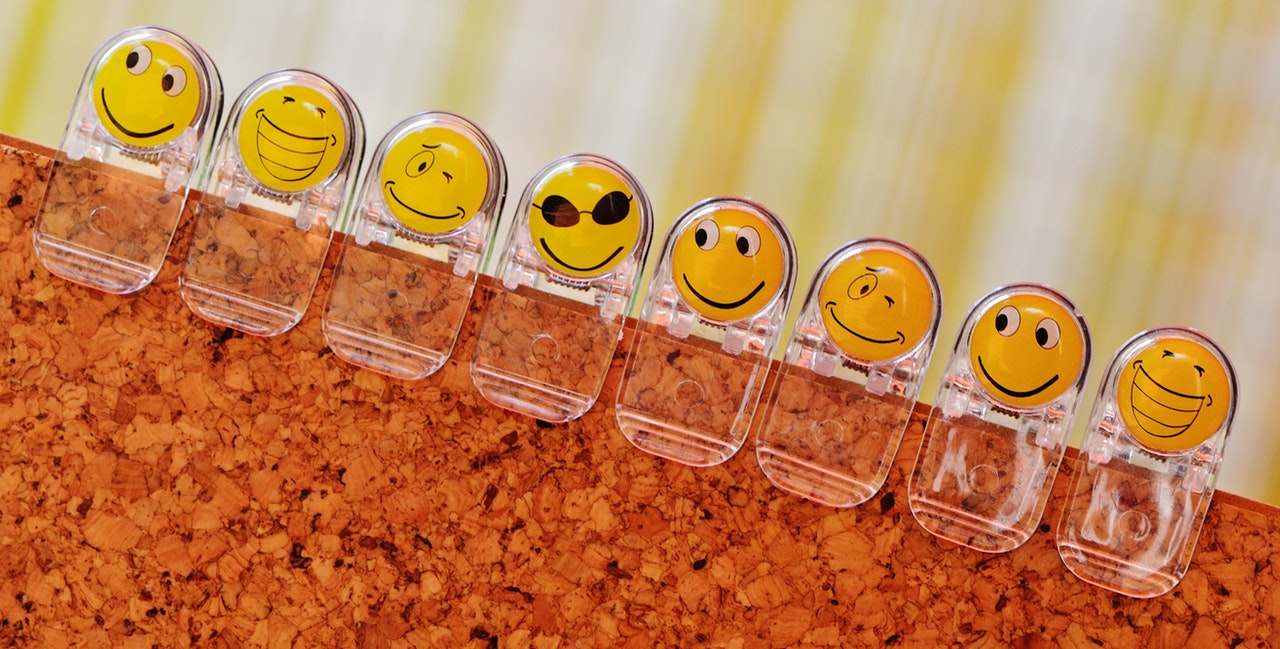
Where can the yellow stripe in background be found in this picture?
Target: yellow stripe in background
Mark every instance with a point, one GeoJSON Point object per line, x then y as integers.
{"type": "Point", "coordinates": [21, 71]}
{"type": "Point", "coordinates": [725, 112]}
{"type": "Point", "coordinates": [468, 86]}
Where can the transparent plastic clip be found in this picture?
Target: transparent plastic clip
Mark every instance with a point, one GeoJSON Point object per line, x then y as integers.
{"type": "Point", "coordinates": [563, 286]}
{"type": "Point", "coordinates": [852, 373]}
{"type": "Point", "coordinates": [706, 335]}
{"type": "Point", "coordinates": [281, 174]}
{"type": "Point", "coordinates": [142, 124]}
{"type": "Point", "coordinates": [999, 426]}
{"type": "Point", "coordinates": [427, 211]}
{"type": "Point", "coordinates": [1150, 457]}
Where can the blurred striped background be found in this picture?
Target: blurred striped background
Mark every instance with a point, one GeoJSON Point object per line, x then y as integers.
{"type": "Point", "coordinates": [1125, 152]}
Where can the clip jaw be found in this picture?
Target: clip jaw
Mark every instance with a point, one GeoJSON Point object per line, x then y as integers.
{"type": "Point", "coordinates": [994, 441]}
{"type": "Point", "coordinates": [143, 121]}
{"type": "Point", "coordinates": [402, 284]}
{"type": "Point", "coordinates": [565, 282]}
{"type": "Point", "coordinates": [848, 384]}
{"type": "Point", "coordinates": [696, 368]}
{"type": "Point", "coordinates": [1152, 452]}
{"type": "Point", "coordinates": [284, 171]}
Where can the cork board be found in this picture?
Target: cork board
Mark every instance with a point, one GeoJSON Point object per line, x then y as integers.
{"type": "Point", "coordinates": [167, 483]}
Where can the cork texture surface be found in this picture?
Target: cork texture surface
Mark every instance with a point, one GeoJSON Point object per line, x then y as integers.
{"type": "Point", "coordinates": [168, 483]}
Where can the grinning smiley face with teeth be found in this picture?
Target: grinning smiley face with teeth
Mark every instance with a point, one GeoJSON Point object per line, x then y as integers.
{"type": "Point", "coordinates": [1174, 394]}
{"type": "Point", "coordinates": [292, 137]}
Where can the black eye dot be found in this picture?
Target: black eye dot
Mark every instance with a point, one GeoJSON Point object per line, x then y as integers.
{"type": "Point", "coordinates": [131, 60]}
{"type": "Point", "coordinates": [864, 289]}
{"type": "Point", "coordinates": [700, 237]}
{"type": "Point", "coordinates": [422, 166]}
{"type": "Point", "coordinates": [167, 82]}
{"type": "Point", "coordinates": [1042, 336]}
{"type": "Point", "coordinates": [744, 246]}
{"type": "Point", "coordinates": [1002, 321]}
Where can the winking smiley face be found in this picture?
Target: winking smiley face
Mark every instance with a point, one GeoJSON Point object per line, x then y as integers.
{"type": "Point", "coordinates": [877, 304]}
{"type": "Point", "coordinates": [434, 180]}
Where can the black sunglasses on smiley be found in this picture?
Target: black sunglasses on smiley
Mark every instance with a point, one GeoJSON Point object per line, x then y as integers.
{"type": "Point", "coordinates": [561, 213]}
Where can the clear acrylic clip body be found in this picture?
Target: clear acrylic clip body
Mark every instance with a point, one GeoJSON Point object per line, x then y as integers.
{"type": "Point", "coordinates": [425, 216]}
{"type": "Point", "coordinates": [707, 333]}
{"type": "Point", "coordinates": [999, 426]}
{"type": "Point", "coordinates": [142, 124]}
{"type": "Point", "coordinates": [852, 373]}
{"type": "Point", "coordinates": [563, 287]}
{"type": "Point", "coordinates": [280, 176]}
{"type": "Point", "coordinates": [1150, 458]}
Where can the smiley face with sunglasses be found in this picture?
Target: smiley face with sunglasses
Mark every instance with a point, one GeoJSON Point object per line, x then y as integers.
{"type": "Point", "coordinates": [583, 221]}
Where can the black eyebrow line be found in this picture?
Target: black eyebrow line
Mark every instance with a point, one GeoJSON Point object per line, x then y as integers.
{"type": "Point", "coordinates": [875, 270]}
{"type": "Point", "coordinates": [431, 146]}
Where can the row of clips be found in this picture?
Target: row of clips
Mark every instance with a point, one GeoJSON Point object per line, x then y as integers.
{"type": "Point", "coordinates": [281, 178]}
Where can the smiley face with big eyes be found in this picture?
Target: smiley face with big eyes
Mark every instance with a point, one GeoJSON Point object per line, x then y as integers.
{"type": "Point", "coordinates": [583, 221]}
{"type": "Point", "coordinates": [434, 180]}
{"type": "Point", "coordinates": [146, 93]}
{"type": "Point", "coordinates": [877, 304]}
{"type": "Point", "coordinates": [1027, 349]}
{"type": "Point", "coordinates": [728, 264]}
{"type": "Point", "coordinates": [1174, 394]}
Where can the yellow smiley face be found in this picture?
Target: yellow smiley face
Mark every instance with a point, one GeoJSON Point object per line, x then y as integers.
{"type": "Point", "coordinates": [728, 264]}
{"type": "Point", "coordinates": [291, 138]}
{"type": "Point", "coordinates": [1027, 349]}
{"type": "Point", "coordinates": [1174, 394]}
{"type": "Point", "coordinates": [146, 93]}
{"type": "Point", "coordinates": [584, 221]}
{"type": "Point", "coordinates": [877, 304]}
{"type": "Point", "coordinates": [434, 180]}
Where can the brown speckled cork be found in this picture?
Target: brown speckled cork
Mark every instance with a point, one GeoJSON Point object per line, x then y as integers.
{"type": "Point", "coordinates": [167, 483]}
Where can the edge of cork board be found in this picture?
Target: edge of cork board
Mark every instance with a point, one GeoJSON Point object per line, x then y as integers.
{"type": "Point", "coordinates": [164, 482]}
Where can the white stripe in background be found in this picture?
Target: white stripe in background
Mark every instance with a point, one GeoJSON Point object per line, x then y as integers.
{"type": "Point", "coordinates": [902, 116]}
{"type": "Point", "coordinates": [797, 97]}
{"type": "Point", "coordinates": [642, 86]}
{"type": "Point", "coordinates": [1240, 305]}
{"type": "Point", "coordinates": [537, 88]}
{"type": "Point", "coordinates": [938, 54]}
{"type": "Point", "coordinates": [400, 68]}
{"type": "Point", "coordinates": [1169, 191]}
{"type": "Point", "coordinates": [874, 162]}
{"type": "Point", "coordinates": [1034, 224]}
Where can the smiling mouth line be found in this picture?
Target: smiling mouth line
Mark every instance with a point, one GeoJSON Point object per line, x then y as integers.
{"type": "Point", "coordinates": [128, 131]}
{"type": "Point", "coordinates": [1159, 400]}
{"type": "Point", "coordinates": [1015, 393]}
{"type": "Point", "coordinates": [390, 185]}
{"type": "Point", "coordinates": [901, 339]}
{"type": "Point", "coordinates": [723, 305]}
{"type": "Point", "coordinates": [275, 167]}
{"type": "Point", "coordinates": [543, 243]}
